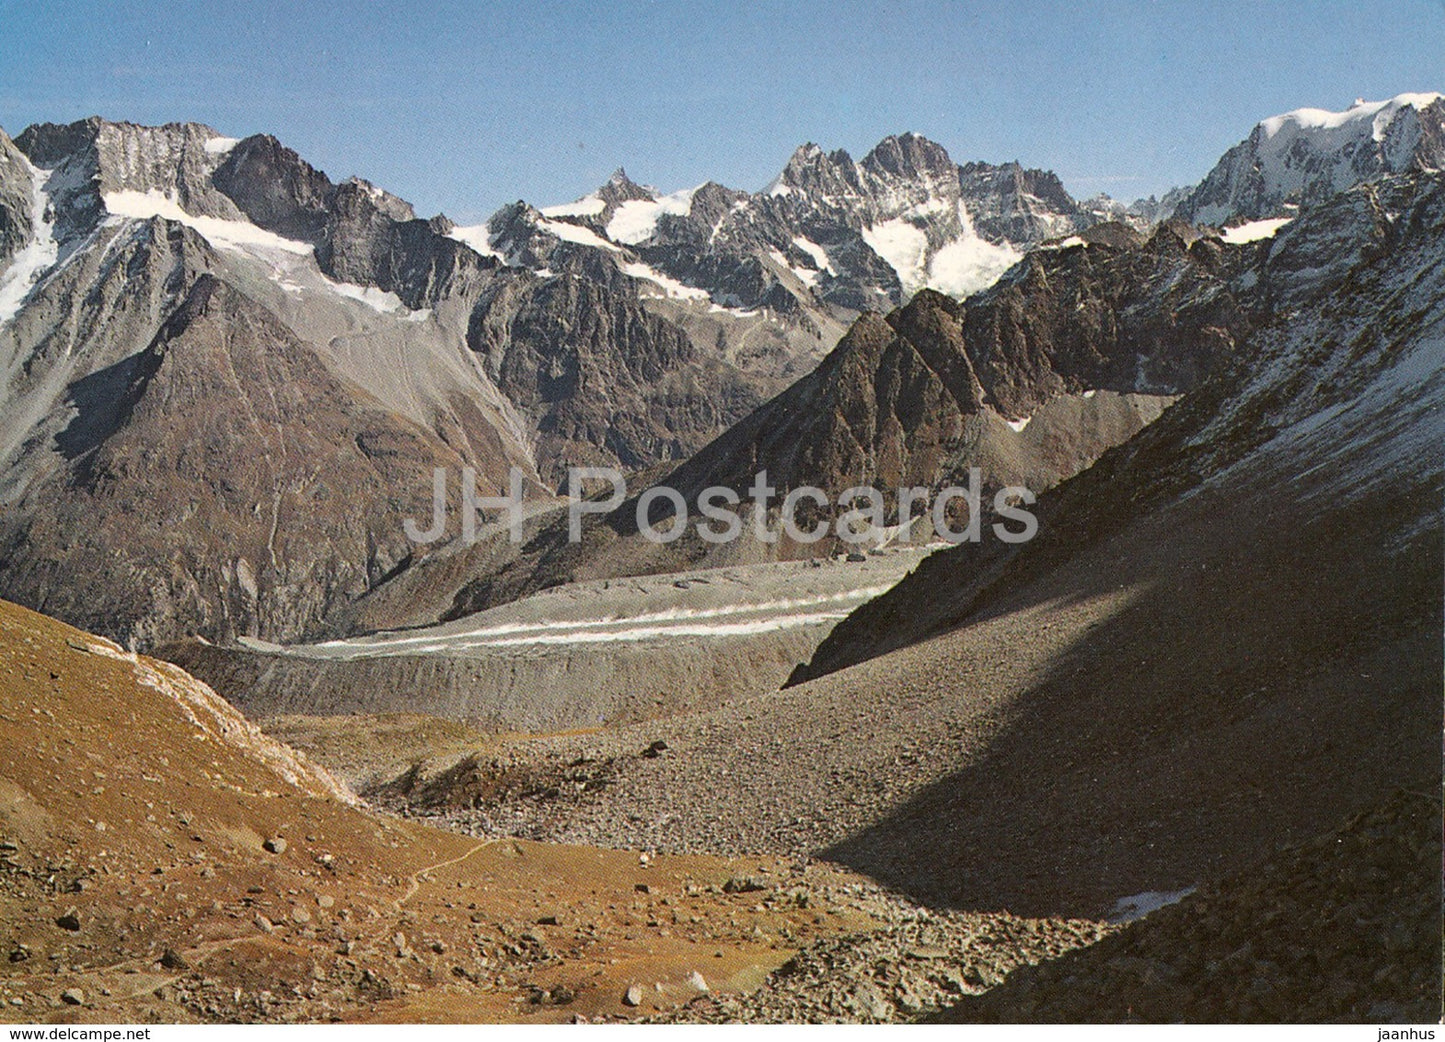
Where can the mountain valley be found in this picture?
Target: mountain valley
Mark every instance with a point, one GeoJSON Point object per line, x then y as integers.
{"type": "Point", "coordinates": [272, 758]}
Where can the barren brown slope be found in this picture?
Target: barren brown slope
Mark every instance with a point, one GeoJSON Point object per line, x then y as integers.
{"type": "Point", "coordinates": [162, 860]}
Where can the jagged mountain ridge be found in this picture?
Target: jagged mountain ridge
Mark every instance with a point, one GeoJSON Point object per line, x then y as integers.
{"type": "Point", "coordinates": [108, 230]}
{"type": "Point", "coordinates": [566, 357]}
{"type": "Point", "coordinates": [810, 436]}
{"type": "Point", "coordinates": [828, 230]}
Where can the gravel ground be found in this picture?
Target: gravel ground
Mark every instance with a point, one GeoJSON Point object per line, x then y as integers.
{"type": "Point", "coordinates": [821, 763]}
{"type": "Point", "coordinates": [1345, 928]}
{"type": "Point", "coordinates": [918, 964]}
{"type": "Point", "coordinates": [1157, 712]}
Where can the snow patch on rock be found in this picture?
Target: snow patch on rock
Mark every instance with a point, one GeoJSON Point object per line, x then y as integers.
{"type": "Point", "coordinates": [904, 247]}
{"type": "Point", "coordinates": [812, 249]}
{"type": "Point", "coordinates": [1137, 906]}
{"type": "Point", "coordinates": [478, 237]}
{"type": "Point", "coordinates": [37, 257]}
{"type": "Point", "coordinates": [577, 233]}
{"type": "Point", "coordinates": [587, 206]}
{"type": "Point", "coordinates": [968, 265]}
{"type": "Point", "coordinates": [219, 232]}
{"type": "Point", "coordinates": [670, 286]}
{"type": "Point", "coordinates": [1253, 231]}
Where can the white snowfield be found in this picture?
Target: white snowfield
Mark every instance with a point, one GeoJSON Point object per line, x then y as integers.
{"type": "Point", "coordinates": [961, 267]}
{"type": "Point", "coordinates": [570, 232]}
{"type": "Point", "coordinates": [1372, 115]}
{"type": "Point", "coordinates": [587, 206]}
{"type": "Point", "coordinates": [969, 265]}
{"type": "Point", "coordinates": [670, 287]}
{"type": "Point", "coordinates": [1253, 231]}
{"type": "Point", "coordinates": [217, 231]}
{"type": "Point", "coordinates": [635, 221]}
{"type": "Point", "coordinates": [1336, 136]}
{"type": "Point", "coordinates": [1320, 152]}
{"type": "Point", "coordinates": [904, 246]}
{"type": "Point", "coordinates": [245, 237]}
{"type": "Point", "coordinates": [478, 237]}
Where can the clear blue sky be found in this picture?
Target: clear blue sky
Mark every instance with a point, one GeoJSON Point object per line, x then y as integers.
{"type": "Point", "coordinates": [461, 109]}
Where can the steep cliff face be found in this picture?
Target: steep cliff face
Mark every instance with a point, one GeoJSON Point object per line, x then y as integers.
{"type": "Point", "coordinates": [17, 201]}
{"type": "Point", "coordinates": [605, 380]}
{"type": "Point", "coordinates": [1068, 355]}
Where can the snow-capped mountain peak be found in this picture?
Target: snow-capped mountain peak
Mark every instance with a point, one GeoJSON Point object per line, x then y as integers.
{"type": "Point", "coordinates": [1307, 155]}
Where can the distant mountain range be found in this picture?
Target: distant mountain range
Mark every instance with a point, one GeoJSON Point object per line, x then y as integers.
{"type": "Point", "coordinates": [227, 377]}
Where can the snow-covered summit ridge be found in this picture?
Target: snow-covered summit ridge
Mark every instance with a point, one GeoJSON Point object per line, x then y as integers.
{"type": "Point", "coordinates": [1303, 157]}
{"type": "Point", "coordinates": [1377, 113]}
